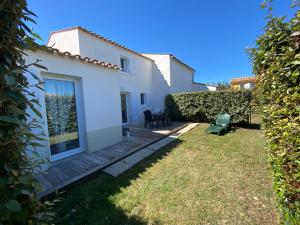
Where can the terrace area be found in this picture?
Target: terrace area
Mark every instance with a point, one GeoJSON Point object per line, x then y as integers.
{"type": "Point", "coordinates": [67, 171]}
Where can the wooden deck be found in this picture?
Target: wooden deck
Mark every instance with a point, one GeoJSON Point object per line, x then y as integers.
{"type": "Point", "coordinates": [67, 171]}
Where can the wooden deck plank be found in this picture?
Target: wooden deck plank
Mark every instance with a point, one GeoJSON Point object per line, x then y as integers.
{"type": "Point", "coordinates": [43, 181]}
{"type": "Point", "coordinates": [71, 169]}
{"type": "Point", "coordinates": [67, 171]}
{"type": "Point", "coordinates": [96, 159]}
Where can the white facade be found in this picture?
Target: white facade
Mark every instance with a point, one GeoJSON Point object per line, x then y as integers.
{"type": "Point", "coordinates": [134, 82]}
{"type": "Point", "coordinates": [100, 90]}
{"type": "Point", "coordinates": [97, 101]}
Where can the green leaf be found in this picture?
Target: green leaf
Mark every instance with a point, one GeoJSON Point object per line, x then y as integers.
{"type": "Point", "coordinates": [26, 192]}
{"type": "Point", "coordinates": [3, 182]}
{"type": "Point", "coordinates": [24, 180]}
{"type": "Point", "coordinates": [38, 113]}
{"type": "Point", "coordinates": [35, 144]}
{"type": "Point", "coordinates": [295, 62]}
{"type": "Point", "coordinates": [10, 80]}
{"type": "Point", "coordinates": [18, 97]}
{"type": "Point", "coordinates": [13, 205]}
{"type": "Point", "coordinates": [10, 119]}
{"type": "Point", "coordinates": [40, 66]}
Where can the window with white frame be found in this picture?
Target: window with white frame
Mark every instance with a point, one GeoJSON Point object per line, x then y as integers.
{"type": "Point", "coordinates": [124, 62]}
{"type": "Point", "coordinates": [143, 99]}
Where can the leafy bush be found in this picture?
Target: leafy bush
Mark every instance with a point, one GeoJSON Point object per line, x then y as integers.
{"type": "Point", "coordinates": [18, 201]}
{"type": "Point", "coordinates": [205, 105]}
{"type": "Point", "coordinates": [276, 62]}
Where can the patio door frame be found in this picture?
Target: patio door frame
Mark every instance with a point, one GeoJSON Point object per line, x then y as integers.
{"type": "Point", "coordinates": [128, 104]}
{"type": "Point", "coordinates": [80, 117]}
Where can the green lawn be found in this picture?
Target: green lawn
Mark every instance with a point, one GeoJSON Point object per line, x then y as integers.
{"type": "Point", "coordinates": [198, 179]}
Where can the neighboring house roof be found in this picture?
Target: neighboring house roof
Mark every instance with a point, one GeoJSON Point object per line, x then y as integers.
{"type": "Point", "coordinates": [243, 80]}
{"type": "Point", "coordinates": [96, 62]}
{"type": "Point", "coordinates": [173, 57]}
{"type": "Point", "coordinates": [100, 37]}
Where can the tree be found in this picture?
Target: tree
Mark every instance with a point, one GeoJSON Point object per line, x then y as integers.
{"type": "Point", "coordinates": [223, 85]}
{"type": "Point", "coordinates": [19, 203]}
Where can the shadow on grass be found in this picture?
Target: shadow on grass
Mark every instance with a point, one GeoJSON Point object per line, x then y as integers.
{"type": "Point", "coordinates": [252, 126]}
{"type": "Point", "coordinates": [91, 201]}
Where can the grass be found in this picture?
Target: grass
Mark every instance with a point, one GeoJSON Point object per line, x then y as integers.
{"type": "Point", "coordinates": [198, 179]}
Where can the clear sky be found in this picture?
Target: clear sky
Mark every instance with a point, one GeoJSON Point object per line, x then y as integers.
{"type": "Point", "coordinates": [209, 35]}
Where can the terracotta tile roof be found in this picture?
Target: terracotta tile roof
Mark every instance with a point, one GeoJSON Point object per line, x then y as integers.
{"type": "Point", "coordinates": [101, 38]}
{"type": "Point", "coordinates": [80, 58]}
{"type": "Point", "coordinates": [243, 80]}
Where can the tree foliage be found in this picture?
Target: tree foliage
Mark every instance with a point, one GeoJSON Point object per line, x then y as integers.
{"type": "Point", "coordinates": [276, 63]}
{"type": "Point", "coordinates": [206, 105]}
{"type": "Point", "coordinates": [19, 203]}
{"type": "Point", "coordinates": [223, 85]}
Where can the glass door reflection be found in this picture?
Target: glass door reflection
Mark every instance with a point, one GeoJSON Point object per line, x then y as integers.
{"type": "Point", "coordinates": [61, 116]}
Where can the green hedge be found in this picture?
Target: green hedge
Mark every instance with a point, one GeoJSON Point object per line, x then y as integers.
{"type": "Point", "coordinates": [276, 61]}
{"type": "Point", "coordinates": [205, 105]}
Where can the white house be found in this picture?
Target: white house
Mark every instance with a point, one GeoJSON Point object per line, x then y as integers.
{"type": "Point", "coordinates": [93, 86]}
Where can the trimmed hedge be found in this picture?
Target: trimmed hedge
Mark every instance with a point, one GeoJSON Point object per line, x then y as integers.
{"type": "Point", "coordinates": [276, 62]}
{"type": "Point", "coordinates": [204, 106]}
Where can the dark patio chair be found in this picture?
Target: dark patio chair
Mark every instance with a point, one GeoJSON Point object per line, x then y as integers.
{"type": "Point", "coordinates": [148, 118]}
{"type": "Point", "coordinates": [166, 120]}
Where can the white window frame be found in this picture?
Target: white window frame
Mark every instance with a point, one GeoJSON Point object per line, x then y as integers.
{"type": "Point", "coordinates": [126, 69]}
{"type": "Point", "coordinates": [80, 116]}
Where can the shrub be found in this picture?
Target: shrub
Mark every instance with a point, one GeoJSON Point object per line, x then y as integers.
{"type": "Point", "coordinates": [205, 105]}
{"type": "Point", "coordinates": [276, 63]}
{"type": "Point", "coordinates": [18, 201]}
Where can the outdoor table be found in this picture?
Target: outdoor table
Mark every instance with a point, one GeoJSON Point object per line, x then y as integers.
{"type": "Point", "coordinates": [158, 117]}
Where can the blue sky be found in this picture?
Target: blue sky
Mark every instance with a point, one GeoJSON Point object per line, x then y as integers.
{"type": "Point", "coordinates": [211, 36]}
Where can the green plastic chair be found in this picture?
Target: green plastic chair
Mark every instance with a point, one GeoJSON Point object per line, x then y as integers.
{"type": "Point", "coordinates": [222, 124]}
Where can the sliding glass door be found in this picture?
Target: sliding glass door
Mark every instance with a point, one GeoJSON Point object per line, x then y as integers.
{"type": "Point", "coordinates": [62, 118]}
{"type": "Point", "coordinates": [125, 107]}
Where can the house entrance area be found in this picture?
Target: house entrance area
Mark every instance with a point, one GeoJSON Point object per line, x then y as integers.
{"type": "Point", "coordinates": [125, 103]}
{"type": "Point", "coordinates": [64, 129]}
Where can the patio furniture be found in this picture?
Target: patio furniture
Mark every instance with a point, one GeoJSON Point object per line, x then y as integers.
{"type": "Point", "coordinates": [221, 124]}
{"type": "Point", "coordinates": [150, 118]}
{"type": "Point", "coordinates": [166, 118]}
{"type": "Point", "coordinates": [159, 117]}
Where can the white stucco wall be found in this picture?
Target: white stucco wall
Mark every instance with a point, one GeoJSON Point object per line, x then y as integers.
{"type": "Point", "coordinates": [137, 81]}
{"type": "Point", "coordinates": [181, 77]}
{"type": "Point", "coordinates": [160, 79]}
{"type": "Point", "coordinates": [99, 104]}
{"type": "Point", "coordinates": [65, 41]}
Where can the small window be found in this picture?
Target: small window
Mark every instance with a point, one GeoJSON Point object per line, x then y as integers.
{"type": "Point", "coordinates": [124, 64]}
{"type": "Point", "coordinates": [143, 99]}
